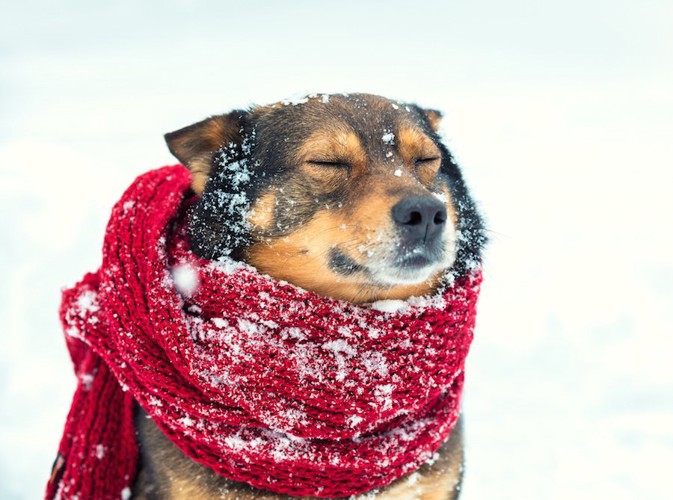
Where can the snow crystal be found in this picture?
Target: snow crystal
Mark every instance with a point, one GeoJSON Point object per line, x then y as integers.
{"type": "Point", "coordinates": [283, 446]}
{"type": "Point", "coordinates": [395, 106]}
{"type": "Point", "coordinates": [383, 392]}
{"type": "Point", "coordinates": [220, 322]}
{"type": "Point", "coordinates": [186, 279]}
{"type": "Point", "coordinates": [388, 138]}
{"type": "Point", "coordinates": [154, 401]}
{"type": "Point", "coordinates": [293, 101]}
{"type": "Point", "coordinates": [354, 420]}
{"type": "Point", "coordinates": [441, 197]}
{"type": "Point", "coordinates": [389, 306]}
{"type": "Point", "coordinates": [412, 479]}
{"type": "Point", "coordinates": [293, 417]}
{"type": "Point", "coordinates": [128, 205]}
{"type": "Point", "coordinates": [227, 265]}
{"type": "Point", "coordinates": [294, 332]}
{"type": "Point", "coordinates": [432, 459]}
{"type": "Point", "coordinates": [161, 247]}
{"type": "Point", "coordinates": [345, 331]}
{"type": "Point", "coordinates": [340, 348]}
{"type": "Point", "coordinates": [436, 301]}
{"type": "Point", "coordinates": [186, 421]}
{"type": "Point", "coordinates": [126, 493]}
{"type": "Point", "coordinates": [72, 331]}
{"type": "Point", "coordinates": [325, 98]}
{"type": "Point", "coordinates": [269, 324]}
{"type": "Point", "coordinates": [374, 333]}
{"type": "Point", "coordinates": [389, 154]}
{"type": "Point", "coordinates": [236, 442]}
{"type": "Point", "coordinates": [398, 172]}
{"type": "Point", "coordinates": [87, 380]}
{"type": "Point", "coordinates": [87, 302]}
{"type": "Point", "coordinates": [100, 451]}
{"type": "Point", "coordinates": [375, 362]}
{"type": "Point", "coordinates": [246, 326]}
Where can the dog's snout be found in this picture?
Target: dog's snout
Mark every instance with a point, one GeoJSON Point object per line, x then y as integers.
{"type": "Point", "coordinates": [421, 217]}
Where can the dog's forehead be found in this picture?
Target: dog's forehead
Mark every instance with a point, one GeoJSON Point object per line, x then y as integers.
{"type": "Point", "coordinates": [366, 115]}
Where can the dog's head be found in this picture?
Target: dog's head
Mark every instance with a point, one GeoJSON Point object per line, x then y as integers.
{"type": "Point", "coordinates": [350, 196]}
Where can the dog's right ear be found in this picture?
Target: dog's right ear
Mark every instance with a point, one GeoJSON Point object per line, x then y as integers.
{"type": "Point", "coordinates": [196, 144]}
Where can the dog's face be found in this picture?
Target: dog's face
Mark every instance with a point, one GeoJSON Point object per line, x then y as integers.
{"type": "Point", "coordinates": [349, 196]}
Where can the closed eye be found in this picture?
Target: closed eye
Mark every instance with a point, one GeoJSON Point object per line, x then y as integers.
{"type": "Point", "coordinates": [424, 161]}
{"type": "Point", "coordinates": [329, 163]}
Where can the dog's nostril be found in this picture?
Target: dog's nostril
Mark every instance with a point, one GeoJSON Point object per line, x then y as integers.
{"type": "Point", "coordinates": [440, 217]}
{"type": "Point", "coordinates": [415, 218]}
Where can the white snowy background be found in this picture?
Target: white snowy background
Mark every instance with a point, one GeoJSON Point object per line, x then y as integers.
{"type": "Point", "coordinates": [561, 114]}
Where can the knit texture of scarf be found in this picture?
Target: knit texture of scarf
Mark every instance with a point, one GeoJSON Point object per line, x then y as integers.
{"type": "Point", "coordinates": [257, 379]}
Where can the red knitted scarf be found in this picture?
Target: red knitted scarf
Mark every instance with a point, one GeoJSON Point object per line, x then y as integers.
{"type": "Point", "coordinates": [261, 381]}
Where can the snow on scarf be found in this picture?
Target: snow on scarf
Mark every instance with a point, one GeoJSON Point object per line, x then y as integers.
{"type": "Point", "coordinates": [257, 379]}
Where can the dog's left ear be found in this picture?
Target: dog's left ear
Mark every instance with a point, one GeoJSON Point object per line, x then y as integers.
{"type": "Point", "coordinates": [196, 144]}
{"type": "Point", "coordinates": [433, 117]}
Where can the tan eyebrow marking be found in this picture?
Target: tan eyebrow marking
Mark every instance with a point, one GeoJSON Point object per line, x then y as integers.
{"type": "Point", "coordinates": [413, 144]}
{"type": "Point", "coordinates": [333, 144]}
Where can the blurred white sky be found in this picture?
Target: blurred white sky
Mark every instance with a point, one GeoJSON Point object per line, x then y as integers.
{"type": "Point", "coordinates": [560, 114]}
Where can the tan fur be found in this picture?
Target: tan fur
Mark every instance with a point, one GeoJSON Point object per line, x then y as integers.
{"type": "Point", "coordinates": [434, 118]}
{"type": "Point", "coordinates": [199, 177]}
{"type": "Point", "coordinates": [299, 258]}
{"type": "Point", "coordinates": [336, 143]}
{"type": "Point", "coordinates": [450, 207]}
{"type": "Point", "coordinates": [329, 175]}
{"type": "Point", "coordinates": [262, 214]}
{"type": "Point", "coordinates": [414, 145]}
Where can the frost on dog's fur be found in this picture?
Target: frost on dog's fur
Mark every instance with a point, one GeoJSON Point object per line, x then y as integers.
{"type": "Point", "coordinates": [229, 205]}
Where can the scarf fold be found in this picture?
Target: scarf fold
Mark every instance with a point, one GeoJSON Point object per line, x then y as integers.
{"type": "Point", "coordinates": [259, 380]}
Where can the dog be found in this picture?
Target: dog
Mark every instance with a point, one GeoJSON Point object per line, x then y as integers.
{"type": "Point", "coordinates": [350, 196]}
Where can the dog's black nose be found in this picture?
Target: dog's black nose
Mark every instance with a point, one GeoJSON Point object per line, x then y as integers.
{"type": "Point", "coordinates": [420, 217]}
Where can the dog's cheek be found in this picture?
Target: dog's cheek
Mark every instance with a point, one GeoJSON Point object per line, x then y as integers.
{"type": "Point", "coordinates": [218, 224]}
{"type": "Point", "coordinates": [297, 203]}
{"type": "Point", "coordinates": [262, 214]}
